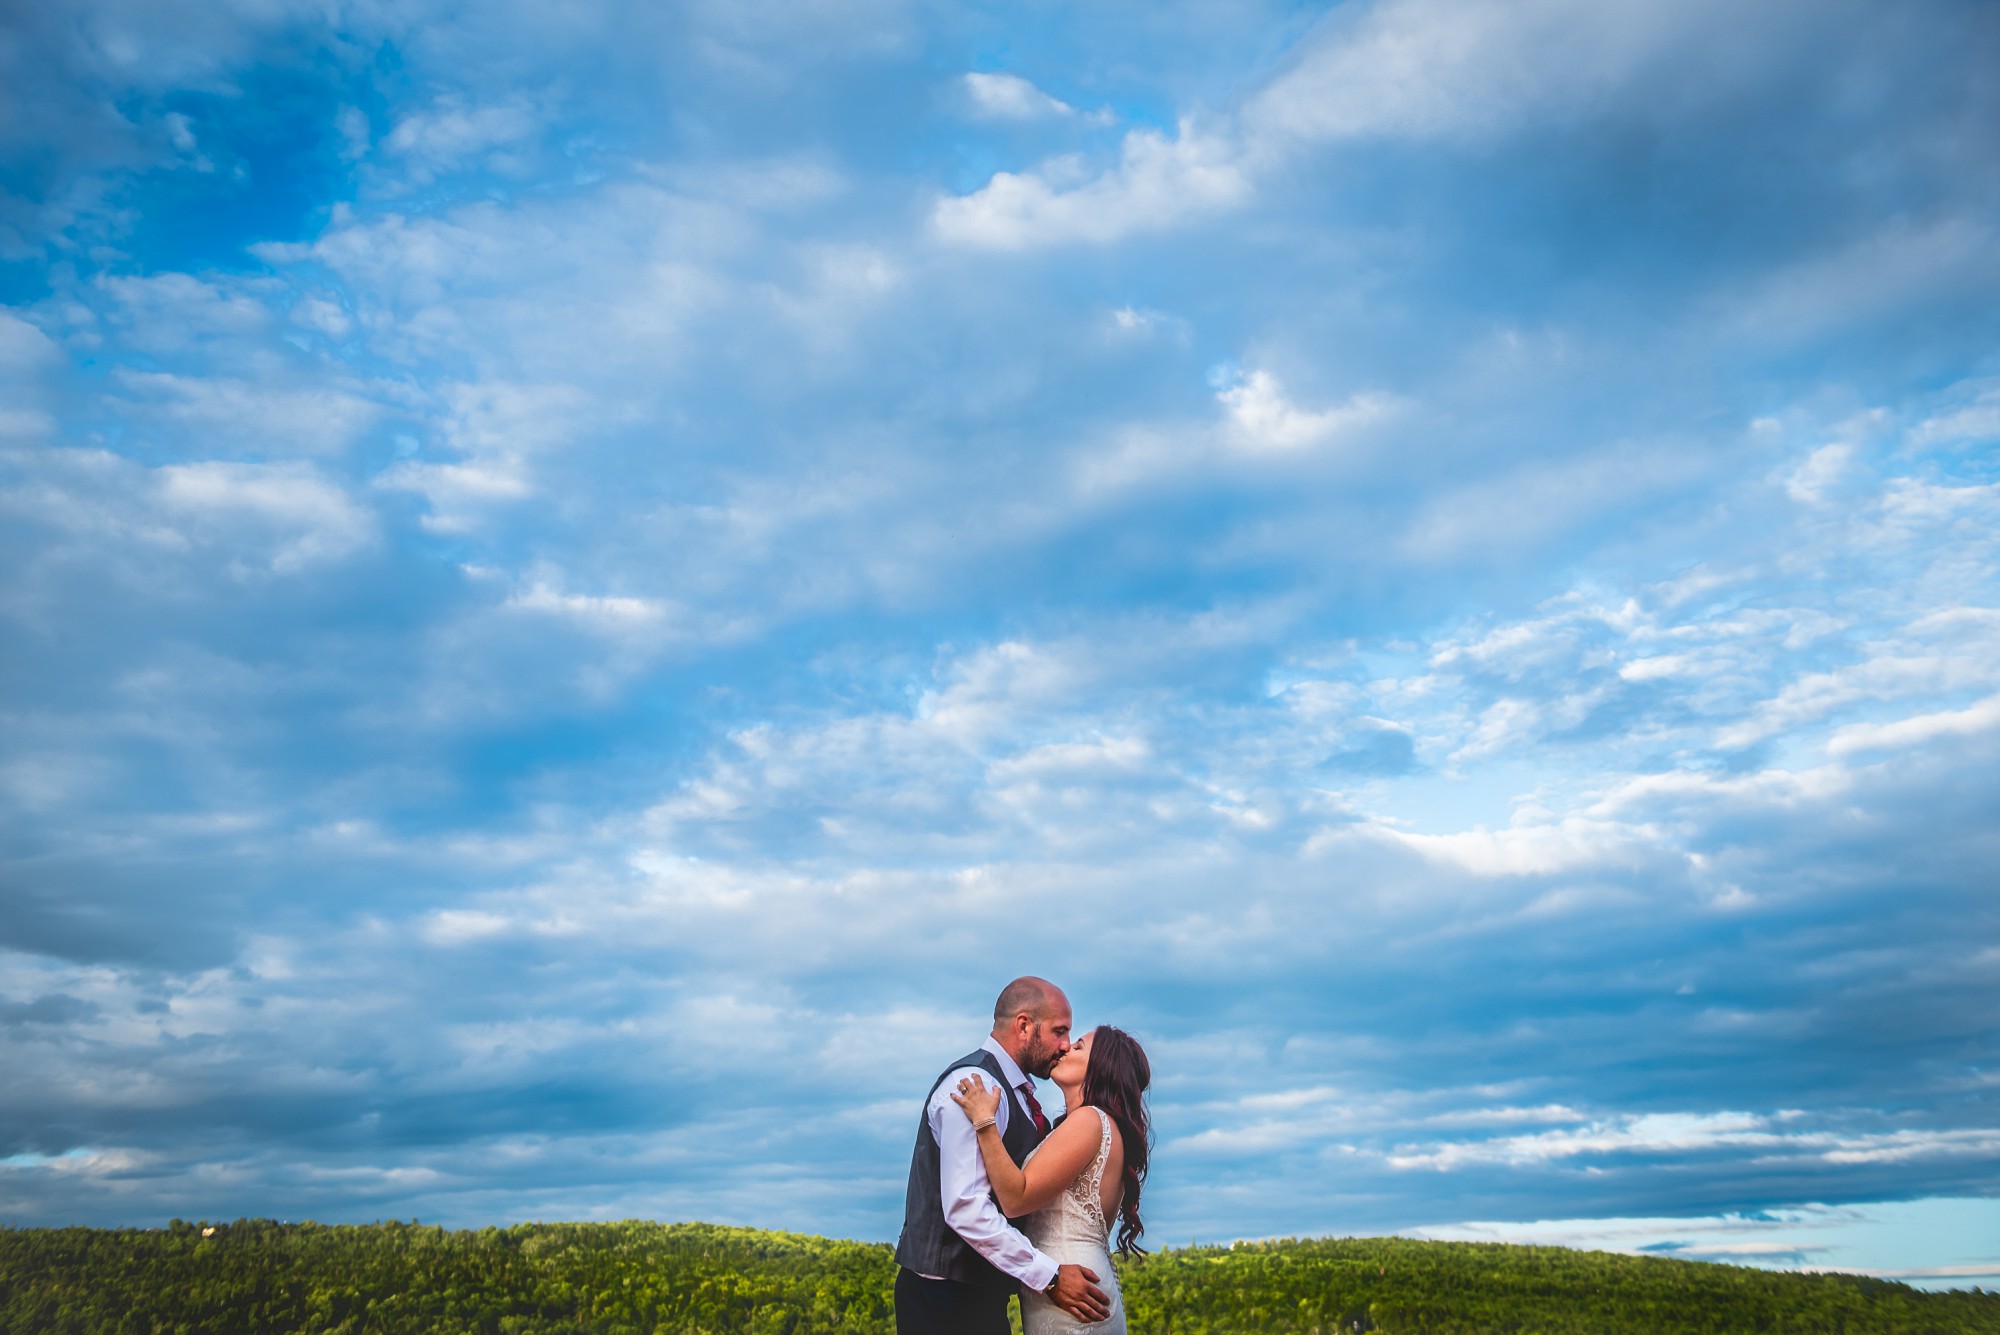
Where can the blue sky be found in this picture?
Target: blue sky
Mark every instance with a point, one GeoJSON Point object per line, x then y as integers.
{"type": "Point", "coordinates": [583, 583]}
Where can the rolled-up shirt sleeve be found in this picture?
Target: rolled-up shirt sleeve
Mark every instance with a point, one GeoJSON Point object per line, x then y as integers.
{"type": "Point", "coordinates": [967, 1195]}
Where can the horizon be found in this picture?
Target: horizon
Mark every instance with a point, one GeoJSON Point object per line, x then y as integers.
{"type": "Point", "coordinates": [1595, 1235]}
{"type": "Point", "coordinates": [584, 584]}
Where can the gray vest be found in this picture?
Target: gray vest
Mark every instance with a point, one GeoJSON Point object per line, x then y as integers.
{"type": "Point", "coordinates": [928, 1245]}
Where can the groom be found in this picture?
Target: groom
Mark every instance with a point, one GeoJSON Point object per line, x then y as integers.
{"type": "Point", "coordinates": [959, 1258]}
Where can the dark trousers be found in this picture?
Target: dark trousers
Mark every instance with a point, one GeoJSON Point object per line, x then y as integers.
{"type": "Point", "coordinates": [946, 1307]}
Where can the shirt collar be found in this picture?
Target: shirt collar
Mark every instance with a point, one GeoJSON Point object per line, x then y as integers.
{"type": "Point", "coordinates": [1008, 1066]}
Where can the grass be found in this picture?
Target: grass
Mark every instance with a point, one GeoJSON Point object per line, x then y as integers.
{"type": "Point", "coordinates": [256, 1276]}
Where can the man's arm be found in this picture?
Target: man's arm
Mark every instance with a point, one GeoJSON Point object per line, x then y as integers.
{"type": "Point", "coordinates": [1035, 1184]}
{"type": "Point", "coordinates": [972, 1213]}
{"type": "Point", "coordinates": [967, 1197]}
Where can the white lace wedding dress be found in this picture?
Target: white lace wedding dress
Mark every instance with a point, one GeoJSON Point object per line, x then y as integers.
{"type": "Point", "coordinates": [1073, 1230]}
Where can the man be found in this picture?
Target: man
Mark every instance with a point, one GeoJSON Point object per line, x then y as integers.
{"type": "Point", "coordinates": [959, 1258]}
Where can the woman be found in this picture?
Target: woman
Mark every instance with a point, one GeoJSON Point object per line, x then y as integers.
{"type": "Point", "coordinates": [1088, 1170]}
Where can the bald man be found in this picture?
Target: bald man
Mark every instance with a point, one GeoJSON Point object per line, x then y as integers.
{"type": "Point", "coordinates": [959, 1258]}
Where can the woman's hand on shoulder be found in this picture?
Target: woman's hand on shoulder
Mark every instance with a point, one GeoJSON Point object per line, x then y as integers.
{"type": "Point", "coordinates": [980, 1103]}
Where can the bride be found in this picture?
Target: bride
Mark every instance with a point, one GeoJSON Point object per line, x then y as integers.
{"type": "Point", "coordinates": [1087, 1171]}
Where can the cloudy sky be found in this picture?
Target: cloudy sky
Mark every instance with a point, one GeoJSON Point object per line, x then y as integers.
{"type": "Point", "coordinates": [582, 583]}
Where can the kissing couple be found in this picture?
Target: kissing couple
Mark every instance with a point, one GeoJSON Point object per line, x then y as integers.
{"type": "Point", "coordinates": [1001, 1202]}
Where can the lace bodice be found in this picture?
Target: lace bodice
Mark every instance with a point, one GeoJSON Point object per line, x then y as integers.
{"type": "Point", "coordinates": [1077, 1216]}
{"type": "Point", "coordinates": [1072, 1230]}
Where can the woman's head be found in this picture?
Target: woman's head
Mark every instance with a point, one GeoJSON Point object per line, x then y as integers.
{"type": "Point", "coordinates": [1073, 1066]}
{"type": "Point", "coordinates": [1115, 1077]}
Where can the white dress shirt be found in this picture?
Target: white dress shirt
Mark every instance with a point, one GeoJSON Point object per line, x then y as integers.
{"type": "Point", "coordinates": [967, 1195]}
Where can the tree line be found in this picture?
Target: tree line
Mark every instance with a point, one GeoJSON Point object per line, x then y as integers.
{"type": "Point", "coordinates": [260, 1277]}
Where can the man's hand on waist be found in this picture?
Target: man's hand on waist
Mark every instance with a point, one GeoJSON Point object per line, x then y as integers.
{"type": "Point", "coordinates": [1074, 1289]}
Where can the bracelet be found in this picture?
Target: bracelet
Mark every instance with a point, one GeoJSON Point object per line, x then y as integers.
{"type": "Point", "coordinates": [981, 1126]}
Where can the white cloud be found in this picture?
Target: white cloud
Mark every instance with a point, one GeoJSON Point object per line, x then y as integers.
{"type": "Point", "coordinates": [1511, 514]}
{"type": "Point", "coordinates": [1885, 1240]}
{"type": "Point", "coordinates": [175, 313]}
{"type": "Point", "coordinates": [606, 278]}
{"type": "Point", "coordinates": [1649, 1133]}
{"type": "Point", "coordinates": [453, 927]}
{"type": "Point", "coordinates": [1260, 426]}
{"type": "Point", "coordinates": [1452, 70]}
{"type": "Point", "coordinates": [1658, 667]}
{"type": "Point", "coordinates": [1823, 470]}
{"type": "Point", "coordinates": [499, 429]}
{"type": "Point", "coordinates": [26, 356]}
{"type": "Point", "coordinates": [1528, 850]}
{"type": "Point", "coordinates": [325, 316]}
{"type": "Point", "coordinates": [259, 416]}
{"type": "Point", "coordinates": [611, 611]}
{"type": "Point", "coordinates": [450, 134]}
{"type": "Point", "coordinates": [355, 133]}
{"type": "Point", "coordinates": [1469, 69]}
{"type": "Point", "coordinates": [1009, 97]}
{"type": "Point", "coordinates": [178, 132]}
{"type": "Point", "coordinates": [255, 519]}
{"type": "Point", "coordinates": [1975, 418]}
{"type": "Point", "coordinates": [1907, 733]}
{"type": "Point", "coordinates": [1696, 1133]}
{"type": "Point", "coordinates": [1105, 756]}
{"type": "Point", "coordinates": [24, 349]}
{"type": "Point", "coordinates": [991, 690]}
{"type": "Point", "coordinates": [1262, 419]}
{"type": "Point", "coordinates": [1131, 320]}
{"type": "Point", "coordinates": [1159, 182]}
{"type": "Point", "coordinates": [309, 521]}
{"type": "Point", "coordinates": [1897, 669]}
{"type": "Point", "coordinates": [459, 493]}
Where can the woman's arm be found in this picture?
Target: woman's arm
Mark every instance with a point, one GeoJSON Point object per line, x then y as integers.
{"type": "Point", "coordinates": [1067, 1152]}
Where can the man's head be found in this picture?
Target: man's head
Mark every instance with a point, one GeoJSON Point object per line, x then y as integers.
{"type": "Point", "coordinates": [1031, 1021]}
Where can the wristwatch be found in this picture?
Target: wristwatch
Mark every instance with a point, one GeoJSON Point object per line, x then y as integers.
{"type": "Point", "coordinates": [1049, 1289]}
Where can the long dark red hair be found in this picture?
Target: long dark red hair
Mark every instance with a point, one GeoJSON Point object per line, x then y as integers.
{"type": "Point", "coordinates": [1116, 1081]}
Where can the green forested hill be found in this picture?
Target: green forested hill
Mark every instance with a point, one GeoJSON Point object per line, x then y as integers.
{"type": "Point", "coordinates": [258, 1276]}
